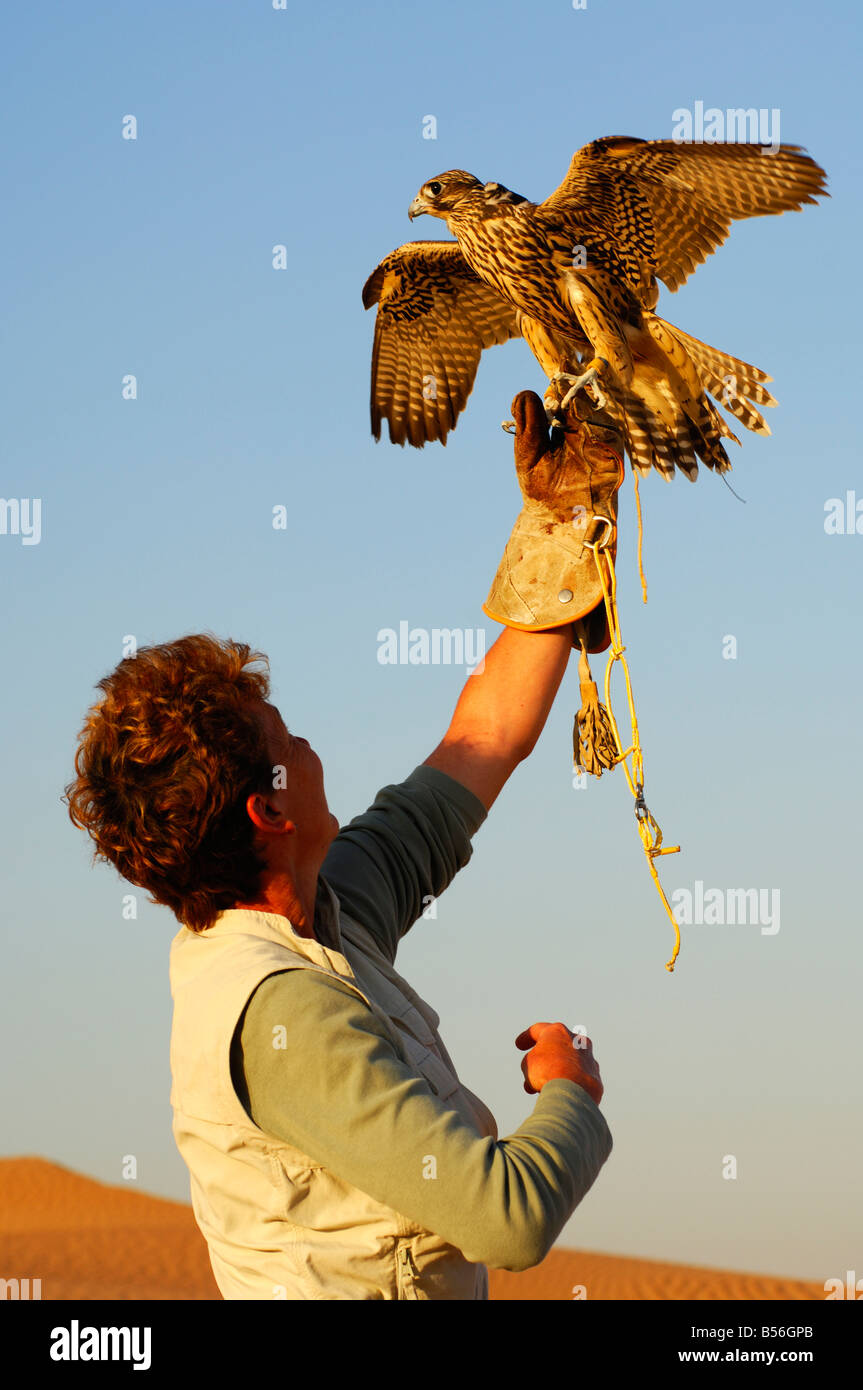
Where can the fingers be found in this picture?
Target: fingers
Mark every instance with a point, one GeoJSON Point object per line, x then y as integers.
{"type": "Point", "coordinates": [546, 1046]}
{"type": "Point", "coordinates": [530, 1035]}
{"type": "Point", "coordinates": [531, 1090]}
{"type": "Point", "coordinates": [531, 430]}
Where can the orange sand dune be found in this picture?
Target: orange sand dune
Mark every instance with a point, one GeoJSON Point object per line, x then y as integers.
{"type": "Point", "coordinates": [87, 1240]}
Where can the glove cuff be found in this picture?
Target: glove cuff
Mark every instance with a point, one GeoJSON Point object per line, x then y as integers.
{"type": "Point", "coordinates": [547, 576]}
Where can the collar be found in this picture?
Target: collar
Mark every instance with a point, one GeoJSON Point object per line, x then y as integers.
{"type": "Point", "coordinates": [326, 923]}
{"type": "Point", "coordinates": [327, 931]}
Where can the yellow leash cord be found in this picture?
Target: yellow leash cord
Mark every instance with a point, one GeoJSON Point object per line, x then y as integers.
{"type": "Point", "coordinates": [640, 537]}
{"type": "Point", "coordinates": [648, 829]}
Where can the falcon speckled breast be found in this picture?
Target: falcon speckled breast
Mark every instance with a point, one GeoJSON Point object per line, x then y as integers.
{"type": "Point", "coordinates": [576, 276]}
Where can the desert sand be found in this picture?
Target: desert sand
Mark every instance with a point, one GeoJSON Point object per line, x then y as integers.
{"type": "Point", "coordinates": [87, 1240]}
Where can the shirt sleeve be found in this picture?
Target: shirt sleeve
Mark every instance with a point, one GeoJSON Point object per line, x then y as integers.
{"type": "Point", "coordinates": [387, 864]}
{"type": "Point", "coordinates": [340, 1092]}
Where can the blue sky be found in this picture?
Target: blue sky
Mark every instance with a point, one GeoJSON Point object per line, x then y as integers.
{"type": "Point", "coordinates": [153, 257]}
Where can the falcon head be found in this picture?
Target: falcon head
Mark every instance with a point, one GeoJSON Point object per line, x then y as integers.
{"type": "Point", "coordinates": [458, 193]}
{"type": "Point", "coordinates": [442, 195]}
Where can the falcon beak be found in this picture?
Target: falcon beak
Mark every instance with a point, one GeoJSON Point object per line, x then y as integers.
{"type": "Point", "coordinates": [417, 208]}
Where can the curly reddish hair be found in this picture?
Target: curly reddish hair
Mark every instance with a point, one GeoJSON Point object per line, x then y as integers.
{"type": "Point", "coordinates": [165, 763]}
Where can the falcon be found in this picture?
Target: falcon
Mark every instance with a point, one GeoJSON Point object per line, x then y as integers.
{"type": "Point", "coordinates": [576, 277]}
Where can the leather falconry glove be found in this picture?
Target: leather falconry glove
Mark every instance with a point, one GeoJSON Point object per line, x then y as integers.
{"type": "Point", "coordinates": [547, 576]}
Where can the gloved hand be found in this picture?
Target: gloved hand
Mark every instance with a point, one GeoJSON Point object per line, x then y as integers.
{"type": "Point", "coordinates": [547, 576]}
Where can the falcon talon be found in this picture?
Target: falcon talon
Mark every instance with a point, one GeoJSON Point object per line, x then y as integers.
{"type": "Point", "coordinates": [508, 425]}
{"type": "Point", "coordinates": [588, 382]}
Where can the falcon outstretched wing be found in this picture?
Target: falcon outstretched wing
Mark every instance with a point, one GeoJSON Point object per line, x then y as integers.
{"type": "Point", "coordinates": [669, 204]}
{"type": "Point", "coordinates": [435, 317]}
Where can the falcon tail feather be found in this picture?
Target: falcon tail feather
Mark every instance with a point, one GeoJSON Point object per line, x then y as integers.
{"type": "Point", "coordinates": [668, 420]}
{"type": "Point", "coordinates": [651, 443]}
{"type": "Point", "coordinates": [733, 383]}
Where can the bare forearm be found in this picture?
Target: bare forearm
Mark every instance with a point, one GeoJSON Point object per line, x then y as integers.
{"type": "Point", "coordinates": [502, 710]}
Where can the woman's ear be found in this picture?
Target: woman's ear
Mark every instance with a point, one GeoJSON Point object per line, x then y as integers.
{"type": "Point", "coordinates": [266, 816]}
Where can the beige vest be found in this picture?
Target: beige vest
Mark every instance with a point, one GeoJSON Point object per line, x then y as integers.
{"type": "Point", "coordinates": [277, 1223]}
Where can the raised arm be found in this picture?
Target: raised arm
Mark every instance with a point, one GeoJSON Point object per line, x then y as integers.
{"type": "Point", "coordinates": [547, 577]}
{"type": "Point", "coordinates": [406, 848]}
{"type": "Point", "coordinates": [502, 710]}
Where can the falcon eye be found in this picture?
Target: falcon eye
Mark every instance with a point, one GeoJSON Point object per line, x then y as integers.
{"type": "Point", "coordinates": [434, 189]}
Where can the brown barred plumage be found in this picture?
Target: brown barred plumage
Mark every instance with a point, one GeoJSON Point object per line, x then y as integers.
{"type": "Point", "coordinates": [576, 276]}
{"type": "Point", "coordinates": [435, 316]}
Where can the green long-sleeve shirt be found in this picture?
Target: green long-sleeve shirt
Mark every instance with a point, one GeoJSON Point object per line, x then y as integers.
{"type": "Point", "coordinates": [339, 1091]}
